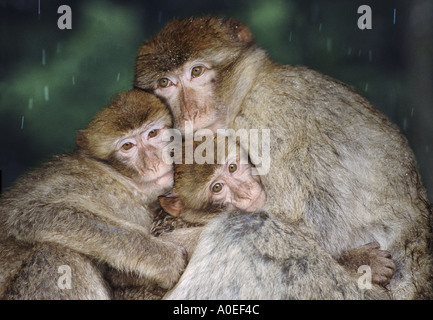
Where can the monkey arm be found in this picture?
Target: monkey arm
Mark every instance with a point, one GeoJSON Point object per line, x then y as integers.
{"type": "Point", "coordinates": [187, 238]}
{"type": "Point", "coordinates": [254, 256]}
{"type": "Point", "coordinates": [184, 237]}
{"type": "Point", "coordinates": [123, 245]}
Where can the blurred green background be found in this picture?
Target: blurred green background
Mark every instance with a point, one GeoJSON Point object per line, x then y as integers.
{"type": "Point", "coordinates": [53, 81]}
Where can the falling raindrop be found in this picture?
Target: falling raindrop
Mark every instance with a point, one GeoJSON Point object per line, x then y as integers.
{"type": "Point", "coordinates": [370, 55]}
{"type": "Point", "coordinates": [118, 77]}
{"type": "Point", "coordinates": [359, 53]}
{"type": "Point", "coordinates": [394, 14]}
{"type": "Point", "coordinates": [58, 48]}
{"type": "Point", "coordinates": [427, 149]}
{"type": "Point", "coordinates": [320, 27]}
{"type": "Point", "coordinates": [366, 87]}
{"type": "Point", "coordinates": [411, 111]}
{"type": "Point", "coordinates": [349, 51]}
{"type": "Point", "coordinates": [73, 80]}
{"type": "Point", "coordinates": [30, 103]}
{"type": "Point", "coordinates": [39, 9]}
{"type": "Point", "coordinates": [43, 57]}
{"type": "Point", "coordinates": [329, 44]}
{"type": "Point", "coordinates": [22, 122]}
{"type": "Point", "coordinates": [46, 93]}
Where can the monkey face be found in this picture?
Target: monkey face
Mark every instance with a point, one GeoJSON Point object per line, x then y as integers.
{"type": "Point", "coordinates": [141, 150]}
{"type": "Point", "coordinates": [202, 191]}
{"type": "Point", "coordinates": [235, 187]}
{"type": "Point", "coordinates": [189, 92]}
{"type": "Point", "coordinates": [187, 64]}
{"type": "Point", "coordinates": [127, 135]}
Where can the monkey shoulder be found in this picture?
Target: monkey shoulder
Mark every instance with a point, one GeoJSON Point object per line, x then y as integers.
{"type": "Point", "coordinates": [302, 93]}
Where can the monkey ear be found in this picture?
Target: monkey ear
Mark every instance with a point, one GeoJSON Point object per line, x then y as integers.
{"type": "Point", "coordinates": [82, 140]}
{"type": "Point", "coordinates": [243, 33]}
{"type": "Point", "coordinates": [171, 203]}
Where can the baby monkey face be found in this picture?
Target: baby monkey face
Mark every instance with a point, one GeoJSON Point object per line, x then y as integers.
{"type": "Point", "coordinates": [233, 186]}
{"type": "Point", "coordinates": [202, 190]}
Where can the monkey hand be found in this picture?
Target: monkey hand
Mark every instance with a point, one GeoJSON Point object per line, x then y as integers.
{"type": "Point", "coordinates": [380, 261]}
{"type": "Point", "coordinates": [168, 265]}
{"type": "Point", "coordinates": [185, 237]}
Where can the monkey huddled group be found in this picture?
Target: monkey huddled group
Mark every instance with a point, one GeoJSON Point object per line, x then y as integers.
{"type": "Point", "coordinates": [342, 191]}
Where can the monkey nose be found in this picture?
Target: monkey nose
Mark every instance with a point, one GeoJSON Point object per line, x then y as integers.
{"type": "Point", "coordinates": [190, 112]}
{"type": "Point", "coordinates": [195, 115]}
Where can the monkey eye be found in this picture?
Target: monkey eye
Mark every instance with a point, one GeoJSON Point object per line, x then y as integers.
{"type": "Point", "coordinates": [153, 133]}
{"type": "Point", "coordinates": [197, 71]}
{"type": "Point", "coordinates": [217, 187]}
{"type": "Point", "coordinates": [164, 82]}
{"type": "Point", "coordinates": [233, 167]}
{"type": "Point", "coordinates": [127, 146]}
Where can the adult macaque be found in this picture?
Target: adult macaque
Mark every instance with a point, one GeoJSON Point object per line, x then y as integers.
{"type": "Point", "coordinates": [245, 253]}
{"type": "Point", "coordinates": [340, 171]}
{"type": "Point", "coordinates": [92, 207]}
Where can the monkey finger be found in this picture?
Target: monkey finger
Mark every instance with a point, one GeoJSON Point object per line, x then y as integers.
{"type": "Point", "coordinates": [372, 245]}
{"type": "Point", "coordinates": [185, 253]}
{"type": "Point", "coordinates": [387, 272]}
{"type": "Point", "coordinates": [391, 265]}
{"type": "Point", "coordinates": [385, 263]}
{"type": "Point", "coordinates": [385, 254]}
{"type": "Point", "coordinates": [380, 279]}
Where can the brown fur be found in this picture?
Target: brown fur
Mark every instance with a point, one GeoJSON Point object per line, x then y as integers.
{"type": "Point", "coordinates": [82, 210]}
{"type": "Point", "coordinates": [165, 52]}
{"type": "Point", "coordinates": [191, 181]}
{"type": "Point", "coordinates": [340, 171]}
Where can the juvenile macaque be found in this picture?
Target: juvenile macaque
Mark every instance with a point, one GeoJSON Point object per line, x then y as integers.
{"type": "Point", "coordinates": [92, 207]}
{"type": "Point", "coordinates": [245, 253]}
{"type": "Point", "coordinates": [340, 171]}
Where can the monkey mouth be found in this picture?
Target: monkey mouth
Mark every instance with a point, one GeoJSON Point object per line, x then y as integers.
{"type": "Point", "coordinates": [165, 178]}
{"type": "Point", "coordinates": [259, 203]}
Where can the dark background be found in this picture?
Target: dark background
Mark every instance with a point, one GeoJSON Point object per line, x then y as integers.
{"type": "Point", "coordinates": [53, 81]}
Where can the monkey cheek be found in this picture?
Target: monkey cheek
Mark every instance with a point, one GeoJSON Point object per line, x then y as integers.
{"type": "Point", "coordinates": [166, 180]}
{"type": "Point", "coordinates": [257, 203]}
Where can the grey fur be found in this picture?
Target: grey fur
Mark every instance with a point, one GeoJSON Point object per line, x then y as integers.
{"type": "Point", "coordinates": [340, 172]}
{"type": "Point", "coordinates": [254, 256]}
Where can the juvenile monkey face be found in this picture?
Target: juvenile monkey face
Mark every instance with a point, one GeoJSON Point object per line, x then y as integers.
{"type": "Point", "coordinates": [141, 150]}
{"type": "Point", "coordinates": [127, 135]}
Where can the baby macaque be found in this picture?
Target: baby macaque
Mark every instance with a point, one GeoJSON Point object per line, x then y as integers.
{"type": "Point", "coordinates": [204, 192]}
{"type": "Point", "coordinates": [92, 207]}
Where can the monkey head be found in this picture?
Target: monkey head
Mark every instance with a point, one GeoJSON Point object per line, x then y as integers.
{"type": "Point", "coordinates": [203, 190]}
{"type": "Point", "coordinates": [185, 64]}
{"type": "Point", "coordinates": [127, 135]}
